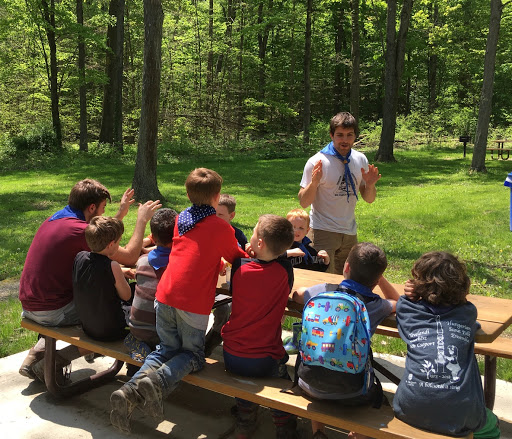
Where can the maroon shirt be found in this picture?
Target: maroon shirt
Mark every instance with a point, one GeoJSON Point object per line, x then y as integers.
{"type": "Point", "coordinates": [46, 282]}
{"type": "Point", "coordinates": [260, 294]}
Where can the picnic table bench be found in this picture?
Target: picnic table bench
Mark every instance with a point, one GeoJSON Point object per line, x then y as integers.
{"type": "Point", "coordinates": [267, 392]}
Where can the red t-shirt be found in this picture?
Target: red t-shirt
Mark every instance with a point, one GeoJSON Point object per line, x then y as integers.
{"type": "Point", "coordinates": [260, 294]}
{"type": "Point", "coordinates": [190, 280]}
{"type": "Point", "coordinates": [46, 281]}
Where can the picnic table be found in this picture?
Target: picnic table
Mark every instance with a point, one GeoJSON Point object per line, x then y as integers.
{"type": "Point", "coordinates": [494, 316]}
{"type": "Point", "coordinates": [500, 149]}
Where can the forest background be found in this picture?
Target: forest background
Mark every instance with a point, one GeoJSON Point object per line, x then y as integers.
{"type": "Point", "coordinates": [235, 72]}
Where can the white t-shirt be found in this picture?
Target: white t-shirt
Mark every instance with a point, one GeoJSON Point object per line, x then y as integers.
{"type": "Point", "coordinates": [331, 211]}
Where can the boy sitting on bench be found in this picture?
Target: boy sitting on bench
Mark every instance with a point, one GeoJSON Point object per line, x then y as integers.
{"type": "Point", "coordinates": [363, 271]}
{"type": "Point", "coordinates": [184, 299]}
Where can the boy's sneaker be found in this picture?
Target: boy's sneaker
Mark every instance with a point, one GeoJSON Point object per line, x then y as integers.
{"type": "Point", "coordinates": [62, 370]}
{"type": "Point", "coordinates": [33, 357]}
{"type": "Point", "coordinates": [122, 403]}
{"type": "Point", "coordinates": [151, 391]}
{"type": "Point", "coordinates": [211, 341]}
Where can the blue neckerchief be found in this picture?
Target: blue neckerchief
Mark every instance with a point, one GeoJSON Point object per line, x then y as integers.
{"type": "Point", "coordinates": [331, 150]}
{"type": "Point", "coordinates": [358, 288]}
{"type": "Point", "coordinates": [302, 245]}
{"type": "Point", "coordinates": [159, 257]}
{"type": "Point", "coordinates": [188, 219]}
{"type": "Point", "coordinates": [68, 212]}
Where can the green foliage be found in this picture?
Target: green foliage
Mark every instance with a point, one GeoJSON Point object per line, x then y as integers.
{"type": "Point", "coordinates": [39, 139]}
{"type": "Point", "coordinates": [12, 337]}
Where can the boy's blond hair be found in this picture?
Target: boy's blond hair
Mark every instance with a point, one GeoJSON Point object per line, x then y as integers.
{"type": "Point", "coordinates": [298, 213]}
{"type": "Point", "coordinates": [276, 232]}
{"type": "Point", "coordinates": [101, 231]}
{"type": "Point", "coordinates": [228, 201]}
{"type": "Point", "coordinates": [202, 186]}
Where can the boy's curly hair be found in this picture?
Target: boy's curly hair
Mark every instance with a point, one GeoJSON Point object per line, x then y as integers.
{"type": "Point", "coordinates": [440, 279]}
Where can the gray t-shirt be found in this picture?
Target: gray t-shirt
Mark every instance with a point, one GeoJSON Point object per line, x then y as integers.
{"type": "Point", "coordinates": [328, 380]}
{"type": "Point", "coordinates": [441, 390]}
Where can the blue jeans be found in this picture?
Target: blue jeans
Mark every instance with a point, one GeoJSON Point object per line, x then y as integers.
{"type": "Point", "coordinates": [181, 351]}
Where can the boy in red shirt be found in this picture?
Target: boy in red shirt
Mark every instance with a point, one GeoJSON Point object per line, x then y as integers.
{"type": "Point", "coordinates": [252, 336]}
{"type": "Point", "coordinates": [184, 298]}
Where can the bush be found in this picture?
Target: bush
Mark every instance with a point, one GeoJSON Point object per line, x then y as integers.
{"type": "Point", "coordinates": [37, 139]}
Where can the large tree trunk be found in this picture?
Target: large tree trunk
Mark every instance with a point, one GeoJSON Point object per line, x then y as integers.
{"type": "Point", "coordinates": [81, 76]}
{"type": "Point", "coordinates": [112, 113]}
{"type": "Point", "coordinates": [432, 65]}
{"type": "Point", "coordinates": [395, 55]}
{"type": "Point", "coordinates": [356, 58]}
{"type": "Point", "coordinates": [49, 18]}
{"type": "Point", "coordinates": [144, 179]}
{"type": "Point", "coordinates": [484, 111]}
{"type": "Point", "coordinates": [307, 73]}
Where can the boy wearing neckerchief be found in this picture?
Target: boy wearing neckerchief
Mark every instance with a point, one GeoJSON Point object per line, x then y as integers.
{"type": "Point", "coordinates": [184, 299]}
{"type": "Point", "coordinates": [363, 272]}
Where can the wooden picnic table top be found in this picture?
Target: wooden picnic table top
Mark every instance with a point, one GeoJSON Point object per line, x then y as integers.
{"type": "Point", "coordinates": [494, 314]}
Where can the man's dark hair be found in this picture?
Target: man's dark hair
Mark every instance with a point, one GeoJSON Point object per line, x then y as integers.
{"type": "Point", "coordinates": [162, 225]}
{"type": "Point", "coordinates": [345, 120]}
{"type": "Point", "coordinates": [440, 279]}
{"type": "Point", "coordinates": [228, 201]}
{"type": "Point", "coordinates": [101, 231]}
{"type": "Point", "coordinates": [87, 192]}
{"type": "Point", "coordinates": [203, 185]}
{"type": "Point", "coordinates": [367, 262]}
{"type": "Point", "coordinates": [276, 232]}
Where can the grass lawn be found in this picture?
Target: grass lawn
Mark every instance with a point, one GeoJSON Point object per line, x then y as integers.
{"type": "Point", "coordinates": [427, 200]}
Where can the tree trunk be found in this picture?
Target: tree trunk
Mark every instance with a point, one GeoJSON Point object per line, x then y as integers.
{"type": "Point", "coordinates": [49, 18]}
{"type": "Point", "coordinates": [356, 59]}
{"type": "Point", "coordinates": [81, 76]}
{"type": "Point", "coordinates": [338, 15]}
{"type": "Point", "coordinates": [144, 179]}
{"type": "Point", "coordinates": [307, 73]}
{"type": "Point", "coordinates": [209, 68]}
{"type": "Point", "coordinates": [432, 66]}
{"type": "Point", "coordinates": [118, 83]}
{"type": "Point", "coordinates": [395, 55]}
{"type": "Point", "coordinates": [262, 53]}
{"type": "Point", "coordinates": [484, 111]}
{"type": "Point", "coordinates": [112, 115]}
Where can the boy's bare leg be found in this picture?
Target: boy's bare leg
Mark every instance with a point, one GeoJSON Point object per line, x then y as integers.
{"type": "Point", "coordinates": [317, 426]}
{"type": "Point", "coordinates": [354, 435]}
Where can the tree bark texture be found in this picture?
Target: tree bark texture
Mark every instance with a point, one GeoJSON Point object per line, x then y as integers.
{"type": "Point", "coordinates": [81, 76]}
{"type": "Point", "coordinates": [49, 18]}
{"type": "Point", "coordinates": [262, 53]}
{"type": "Point", "coordinates": [111, 121]}
{"type": "Point", "coordinates": [355, 81]}
{"type": "Point", "coordinates": [485, 108]}
{"type": "Point", "coordinates": [307, 73]}
{"type": "Point", "coordinates": [144, 180]}
{"type": "Point", "coordinates": [395, 56]}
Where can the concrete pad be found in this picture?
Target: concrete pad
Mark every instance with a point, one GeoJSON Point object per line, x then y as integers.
{"type": "Point", "coordinates": [29, 412]}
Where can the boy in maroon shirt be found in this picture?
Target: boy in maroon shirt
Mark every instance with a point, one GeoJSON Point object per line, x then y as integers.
{"type": "Point", "coordinates": [252, 336]}
{"type": "Point", "coordinates": [184, 298]}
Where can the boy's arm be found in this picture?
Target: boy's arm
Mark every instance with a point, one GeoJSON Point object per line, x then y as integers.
{"type": "Point", "coordinates": [122, 287]}
{"type": "Point", "coordinates": [129, 254]}
{"type": "Point", "coordinates": [389, 291]}
{"type": "Point", "coordinates": [298, 295]}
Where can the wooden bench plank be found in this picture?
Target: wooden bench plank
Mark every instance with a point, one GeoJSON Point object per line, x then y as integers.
{"type": "Point", "coordinates": [264, 391]}
{"type": "Point", "coordinates": [501, 347]}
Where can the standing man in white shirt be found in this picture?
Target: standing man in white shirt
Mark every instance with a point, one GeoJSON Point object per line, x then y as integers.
{"type": "Point", "coordinates": [330, 183]}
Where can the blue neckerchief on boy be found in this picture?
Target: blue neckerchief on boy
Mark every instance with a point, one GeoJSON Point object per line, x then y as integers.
{"type": "Point", "coordinates": [188, 219]}
{"type": "Point", "coordinates": [331, 150]}
{"type": "Point", "coordinates": [302, 245]}
{"type": "Point", "coordinates": [159, 257]}
{"type": "Point", "coordinates": [68, 212]}
{"type": "Point", "coordinates": [358, 288]}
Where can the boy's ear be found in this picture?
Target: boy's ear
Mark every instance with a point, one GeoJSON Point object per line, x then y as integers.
{"type": "Point", "coordinates": [346, 269]}
{"type": "Point", "coordinates": [232, 215]}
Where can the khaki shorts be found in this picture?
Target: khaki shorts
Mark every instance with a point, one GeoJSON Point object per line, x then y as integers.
{"type": "Point", "coordinates": [337, 246]}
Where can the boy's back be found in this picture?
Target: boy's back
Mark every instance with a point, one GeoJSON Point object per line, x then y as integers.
{"type": "Point", "coordinates": [441, 390]}
{"type": "Point", "coordinates": [95, 296]}
{"type": "Point", "coordinates": [260, 293]}
{"type": "Point", "coordinates": [189, 283]}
